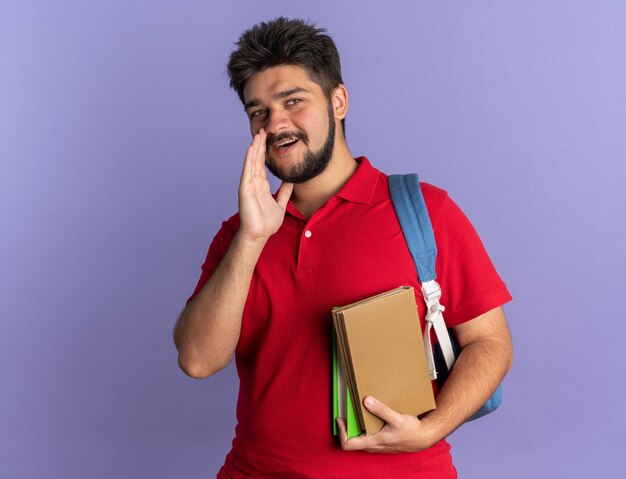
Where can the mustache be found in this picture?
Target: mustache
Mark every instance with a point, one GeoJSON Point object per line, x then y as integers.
{"type": "Point", "coordinates": [287, 135]}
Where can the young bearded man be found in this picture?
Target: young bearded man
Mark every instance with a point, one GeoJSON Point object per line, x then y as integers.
{"type": "Point", "coordinates": [328, 237]}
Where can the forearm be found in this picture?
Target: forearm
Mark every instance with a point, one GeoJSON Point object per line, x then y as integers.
{"type": "Point", "coordinates": [478, 370]}
{"type": "Point", "coordinates": [208, 329]}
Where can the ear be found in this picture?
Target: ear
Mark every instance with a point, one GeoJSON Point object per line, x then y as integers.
{"type": "Point", "coordinates": [339, 98]}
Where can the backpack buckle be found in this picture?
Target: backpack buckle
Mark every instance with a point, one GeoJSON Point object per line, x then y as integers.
{"type": "Point", "coordinates": [432, 293]}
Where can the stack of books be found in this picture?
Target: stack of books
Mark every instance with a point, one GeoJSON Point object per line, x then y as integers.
{"type": "Point", "coordinates": [378, 351]}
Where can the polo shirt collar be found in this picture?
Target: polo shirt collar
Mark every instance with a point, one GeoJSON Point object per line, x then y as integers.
{"type": "Point", "coordinates": [360, 186]}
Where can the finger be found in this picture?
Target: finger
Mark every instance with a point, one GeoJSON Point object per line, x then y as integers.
{"type": "Point", "coordinates": [354, 443]}
{"type": "Point", "coordinates": [256, 141]}
{"type": "Point", "coordinates": [259, 158]}
{"type": "Point", "coordinates": [384, 412]}
{"type": "Point", "coordinates": [247, 163]}
{"type": "Point", "coordinates": [249, 166]}
{"type": "Point", "coordinates": [343, 434]}
{"type": "Point", "coordinates": [260, 155]}
{"type": "Point", "coordinates": [263, 142]}
{"type": "Point", "coordinates": [263, 153]}
{"type": "Point", "coordinates": [346, 444]}
{"type": "Point", "coordinates": [284, 193]}
{"type": "Point", "coordinates": [358, 443]}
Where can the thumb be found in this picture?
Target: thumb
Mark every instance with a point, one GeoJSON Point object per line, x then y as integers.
{"type": "Point", "coordinates": [284, 193]}
{"type": "Point", "coordinates": [379, 409]}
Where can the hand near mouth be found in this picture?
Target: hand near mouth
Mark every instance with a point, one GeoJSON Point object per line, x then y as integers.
{"type": "Point", "coordinates": [261, 215]}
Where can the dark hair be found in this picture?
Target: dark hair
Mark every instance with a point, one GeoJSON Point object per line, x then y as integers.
{"type": "Point", "coordinates": [285, 42]}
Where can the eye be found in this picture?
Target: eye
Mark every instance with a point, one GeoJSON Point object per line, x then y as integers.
{"type": "Point", "coordinates": [294, 101]}
{"type": "Point", "coordinates": [257, 113]}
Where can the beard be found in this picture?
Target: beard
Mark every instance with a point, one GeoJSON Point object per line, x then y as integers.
{"type": "Point", "coordinates": [313, 163]}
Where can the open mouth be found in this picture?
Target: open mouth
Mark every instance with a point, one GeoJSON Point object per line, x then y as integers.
{"type": "Point", "coordinates": [286, 143]}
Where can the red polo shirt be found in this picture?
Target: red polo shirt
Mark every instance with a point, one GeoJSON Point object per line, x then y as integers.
{"type": "Point", "coordinates": [351, 248]}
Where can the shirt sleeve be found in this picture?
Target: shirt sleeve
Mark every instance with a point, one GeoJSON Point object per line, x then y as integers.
{"type": "Point", "coordinates": [217, 250]}
{"type": "Point", "coordinates": [469, 281]}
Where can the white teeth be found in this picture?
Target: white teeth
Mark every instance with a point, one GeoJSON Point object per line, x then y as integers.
{"type": "Point", "coordinates": [281, 145]}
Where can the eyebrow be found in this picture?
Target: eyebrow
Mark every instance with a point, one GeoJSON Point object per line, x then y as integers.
{"type": "Point", "coordinates": [277, 96]}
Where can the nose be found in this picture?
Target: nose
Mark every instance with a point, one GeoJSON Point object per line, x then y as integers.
{"type": "Point", "coordinates": [277, 121]}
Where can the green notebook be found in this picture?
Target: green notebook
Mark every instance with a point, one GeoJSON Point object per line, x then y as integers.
{"type": "Point", "coordinates": [342, 398]}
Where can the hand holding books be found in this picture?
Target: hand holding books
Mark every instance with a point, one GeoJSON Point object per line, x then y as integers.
{"type": "Point", "coordinates": [401, 433]}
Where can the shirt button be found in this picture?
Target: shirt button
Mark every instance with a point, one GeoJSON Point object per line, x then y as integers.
{"type": "Point", "coordinates": [308, 233]}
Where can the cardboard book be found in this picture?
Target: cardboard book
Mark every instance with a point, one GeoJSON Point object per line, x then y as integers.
{"type": "Point", "coordinates": [378, 351]}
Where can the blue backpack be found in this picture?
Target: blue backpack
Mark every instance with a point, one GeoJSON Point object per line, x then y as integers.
{"type": "Point", "coordinates": [418, 232]}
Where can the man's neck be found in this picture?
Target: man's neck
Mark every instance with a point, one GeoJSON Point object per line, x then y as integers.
{"type": "Point", "coordinates": [308, 197]}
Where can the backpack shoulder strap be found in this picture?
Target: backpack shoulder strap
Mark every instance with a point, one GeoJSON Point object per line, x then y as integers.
{"type": "Point", "coordinates": [410, 207]}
